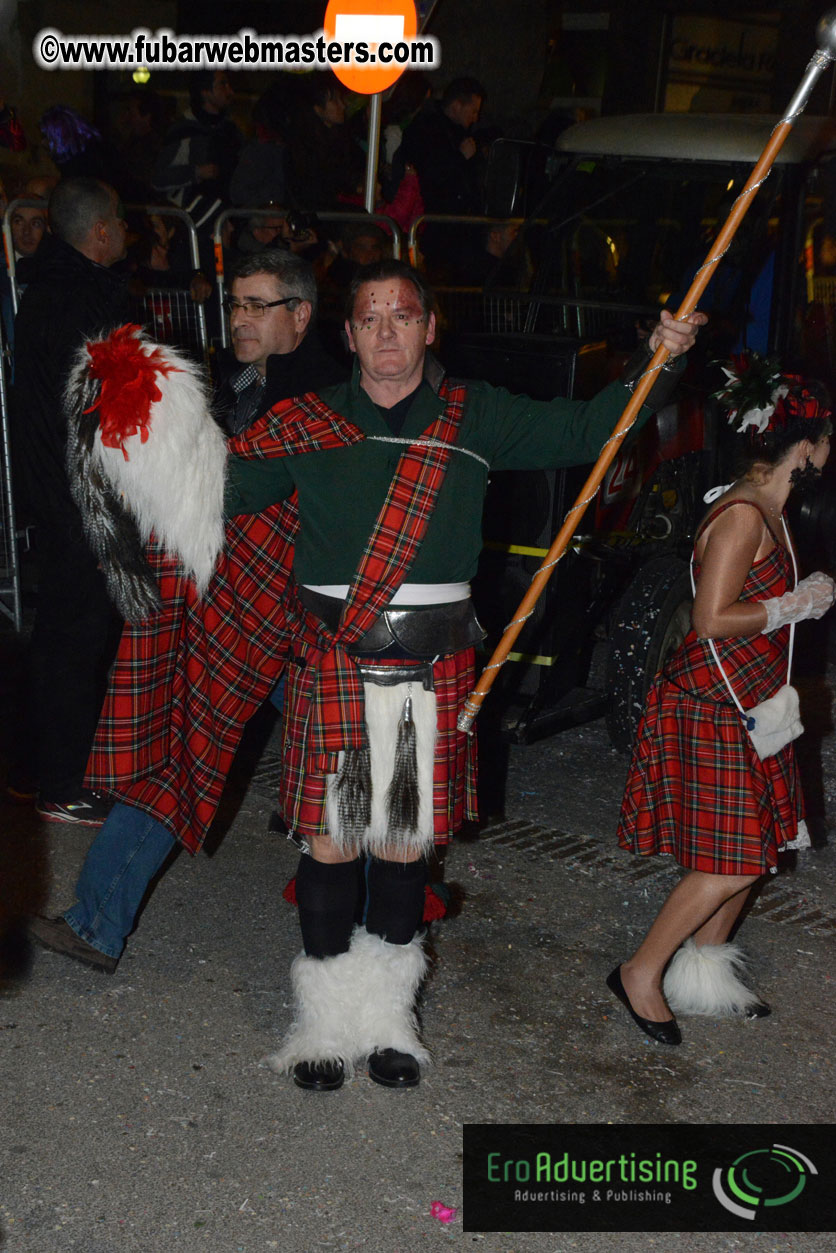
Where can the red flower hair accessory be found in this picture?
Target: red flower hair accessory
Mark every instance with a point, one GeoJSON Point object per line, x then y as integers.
{"type": "Point", "coordinates": [759, 398]}
{"type": "Point", "coordinates": [128, 376]}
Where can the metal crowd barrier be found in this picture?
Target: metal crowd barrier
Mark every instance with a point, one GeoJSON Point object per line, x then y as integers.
{"type": "Point", "coordinates": [10, 598]}
{"type": "Point", "coordinates": [170, 314]}
{"type": "Point", "coordinates": [327, 216]}
{"type": "Point", "coordinates": [502, 310]}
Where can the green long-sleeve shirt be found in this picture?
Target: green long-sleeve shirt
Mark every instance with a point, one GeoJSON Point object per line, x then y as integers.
{"type": "Point", "coordinates": [341, 490]}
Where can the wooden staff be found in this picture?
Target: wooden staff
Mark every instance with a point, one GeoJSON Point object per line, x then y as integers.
{"type": "Point", "coordinates": [823, 57]}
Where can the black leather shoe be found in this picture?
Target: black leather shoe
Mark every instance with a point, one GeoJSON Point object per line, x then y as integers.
{"type": "Point", "coordinates": [759, 1010]}
{"type": "Point", "coordinates": [666, 1032]}
{"type": "Point", "coordinates": [394, 1069]}
{"type": "Point", "coordinates": [319, 1076]}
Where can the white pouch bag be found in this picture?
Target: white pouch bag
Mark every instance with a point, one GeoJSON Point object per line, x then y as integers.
{"type": "Point", "coordinates": [774, 723]}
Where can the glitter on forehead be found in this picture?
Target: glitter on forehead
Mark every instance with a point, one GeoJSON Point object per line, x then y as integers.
{"type": "Point", "coordinates": [405, 307]}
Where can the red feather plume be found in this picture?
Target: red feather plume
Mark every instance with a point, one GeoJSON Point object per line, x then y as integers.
{"type": "Point", "coordinates": [129, 387]}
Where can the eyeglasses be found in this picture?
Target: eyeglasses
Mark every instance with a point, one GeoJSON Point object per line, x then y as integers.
{"type": "Point", "coordinates": [255, 308]}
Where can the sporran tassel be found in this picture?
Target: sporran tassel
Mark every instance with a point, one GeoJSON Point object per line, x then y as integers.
{"type": "Point", "coordinates": [354, 794]}
{"type": "Point", "coordinates": [402, 795]}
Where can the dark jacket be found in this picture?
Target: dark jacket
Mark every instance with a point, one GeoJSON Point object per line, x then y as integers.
{"type": "Point", "coordinates": [450, 183]}
{"type": "Point", "coordinates": [309, 368]}
{"type": "Point", "coordinates": [324, 164]}
{"type": "Point", "coordinates": [67, 300]}
{"type": "Point", "coordinates": [196, 139]}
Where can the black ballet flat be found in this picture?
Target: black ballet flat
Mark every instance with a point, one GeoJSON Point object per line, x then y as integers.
{"type": "Point", "coordinates": [662, 1032]}
{"type": "Point", "coordinates": [319, 1076]}
{"type": "Point", "coordinates": [759, 1010]}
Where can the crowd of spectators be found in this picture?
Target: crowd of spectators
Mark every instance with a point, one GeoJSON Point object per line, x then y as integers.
{"type": "Point", "coordinates": [303, 160]}
{"type": "Point", "coordinates": [105, 227]}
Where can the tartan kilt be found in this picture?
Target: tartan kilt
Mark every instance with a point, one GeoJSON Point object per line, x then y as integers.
{"type": "Point", "coordinates": [696, 787]}
{"type": "Point", "coordinates": [303, 783]}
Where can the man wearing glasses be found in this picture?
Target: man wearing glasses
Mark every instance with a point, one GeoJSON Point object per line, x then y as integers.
{"type": "Point", "coordinates": [271, 307]}
{"type": "Point", "coordinates": [277, 353]}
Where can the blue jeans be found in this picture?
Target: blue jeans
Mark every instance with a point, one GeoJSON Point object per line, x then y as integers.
{"type": "Point", "coordinates": [276, 697]}
{"type": "Point", "coordinates": [122, 861]}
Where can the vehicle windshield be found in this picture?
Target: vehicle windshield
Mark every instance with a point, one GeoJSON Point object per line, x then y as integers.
{"type": "Point", "coordinates": [636, 231]}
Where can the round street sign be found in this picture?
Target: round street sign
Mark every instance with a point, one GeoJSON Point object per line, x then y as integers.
{"type": "Point", "coordinates": [371, 22]}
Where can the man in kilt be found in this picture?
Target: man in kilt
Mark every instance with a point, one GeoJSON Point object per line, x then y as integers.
{"type": "Point", "coordinates": [374, 492]}
{"type": "Point", "coordinates": [383, 655]}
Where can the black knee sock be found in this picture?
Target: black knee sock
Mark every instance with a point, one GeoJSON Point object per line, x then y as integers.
{"type": "Point", "coordinates": [396, 898]}
{"type": "Point", "coordinates": [327, 894]}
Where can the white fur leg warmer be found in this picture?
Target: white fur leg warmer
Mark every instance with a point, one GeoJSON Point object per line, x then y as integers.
{"type": "Point", "coordinates": [348, 1006]}
{"type": "Point", "coordinates": [395, 973]}
{"type": "Point", "coordinates": [326, 1023]}
{"type": "Point", "coordinates": [707, 980]}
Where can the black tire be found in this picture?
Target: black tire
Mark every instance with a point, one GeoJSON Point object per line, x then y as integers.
{"type": "Point", "coordinates": [651, 620]}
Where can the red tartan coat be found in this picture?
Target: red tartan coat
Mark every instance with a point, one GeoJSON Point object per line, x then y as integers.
{"type": "Point", "coordinates": [185, 683]}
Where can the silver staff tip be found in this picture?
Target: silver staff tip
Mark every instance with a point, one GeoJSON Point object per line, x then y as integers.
{"type": "Point", "coordinates": [826, 32]}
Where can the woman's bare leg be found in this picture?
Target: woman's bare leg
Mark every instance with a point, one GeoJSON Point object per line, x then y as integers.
{"type": "Point", "coordinates": [692, 903]}
{"type": "Point", "coordinates": [718, 928]}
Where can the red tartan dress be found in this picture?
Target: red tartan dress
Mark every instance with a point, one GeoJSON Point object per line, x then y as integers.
{"type": "Point", "coordinates": [696, 787]}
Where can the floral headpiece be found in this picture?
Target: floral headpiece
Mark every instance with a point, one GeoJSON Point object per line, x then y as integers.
{"type": "Point", "coordinates": [759, 398]}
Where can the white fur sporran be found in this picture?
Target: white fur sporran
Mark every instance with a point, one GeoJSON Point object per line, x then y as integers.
{"type": "Point", "coordinates": [384, 713]}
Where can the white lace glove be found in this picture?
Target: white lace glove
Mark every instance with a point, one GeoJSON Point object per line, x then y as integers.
{"type": "Point", "coordinates": [811, 599]}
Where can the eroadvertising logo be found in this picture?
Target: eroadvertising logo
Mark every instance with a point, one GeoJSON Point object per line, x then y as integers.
{"type": "Point", "coordinates": [768, 1177]}
{"type": "Point", "coordinates": [727, 1177]}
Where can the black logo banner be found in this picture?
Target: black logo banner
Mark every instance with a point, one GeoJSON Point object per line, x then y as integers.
{"type": "Point", "coordinates": [649, 1177]}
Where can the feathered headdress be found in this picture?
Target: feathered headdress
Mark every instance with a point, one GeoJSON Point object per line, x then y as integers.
{"type": "Point", "coordinates": [144, 458]}
{"type": "Point", "coordinates": [759, 397]}
{"type": "Point", "coordinates": [66, 132]}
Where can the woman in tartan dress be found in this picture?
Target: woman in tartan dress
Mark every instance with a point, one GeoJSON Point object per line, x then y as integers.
{"type": "Point", "coordinates": [697, 787]}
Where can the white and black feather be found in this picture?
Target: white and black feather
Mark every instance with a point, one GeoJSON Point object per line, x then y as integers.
{"type": "Point", "coordinates": [170, 486]}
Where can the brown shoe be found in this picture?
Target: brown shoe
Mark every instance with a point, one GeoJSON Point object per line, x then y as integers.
{"type": "Point", "coordinates": [57, 934]}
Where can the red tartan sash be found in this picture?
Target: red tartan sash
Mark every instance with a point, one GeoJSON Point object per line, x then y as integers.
{"type": "Point", "coordinates": [305, 424]}
{"type": "Point", "coordinates": [336, 716]}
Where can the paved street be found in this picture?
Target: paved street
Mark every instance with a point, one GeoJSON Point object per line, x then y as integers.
{"type": "Point", "coordinates": [136, 1114]}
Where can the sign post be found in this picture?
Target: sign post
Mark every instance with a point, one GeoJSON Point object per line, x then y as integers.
{"type": "Point", "coordinates": [371, 22]}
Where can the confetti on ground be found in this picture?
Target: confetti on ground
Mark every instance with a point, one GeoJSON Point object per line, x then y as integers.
{"type": "Point", "coordinates": [444, 1213]}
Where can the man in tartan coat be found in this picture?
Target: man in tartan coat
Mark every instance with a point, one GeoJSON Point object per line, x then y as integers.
{"type": "Point", "coordinates": [389, 471]}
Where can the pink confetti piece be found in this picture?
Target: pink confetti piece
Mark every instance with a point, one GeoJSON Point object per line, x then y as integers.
{"type": "Point", "coordinates": [444, 1213]}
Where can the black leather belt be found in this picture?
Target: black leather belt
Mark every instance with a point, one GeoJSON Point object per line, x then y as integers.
{"type": "Point", "coordinates": [425, 632]}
